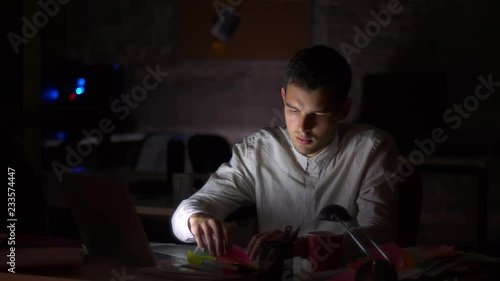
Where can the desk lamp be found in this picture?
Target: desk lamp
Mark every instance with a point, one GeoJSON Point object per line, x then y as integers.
{"type": "Point", "coordinates": [373, 269]}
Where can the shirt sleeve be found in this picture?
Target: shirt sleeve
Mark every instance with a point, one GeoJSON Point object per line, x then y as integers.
{"type": "Point", "coordinates": [377, 200]}
{"type": "Point", "coordinates": [229, 188]}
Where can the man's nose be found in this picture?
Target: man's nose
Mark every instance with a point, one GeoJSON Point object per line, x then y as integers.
{"type": "Point", "coordinates": [306, 123]}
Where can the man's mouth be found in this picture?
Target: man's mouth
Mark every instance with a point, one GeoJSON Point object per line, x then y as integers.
{"type": "Point", "coordinates": [304, 141]}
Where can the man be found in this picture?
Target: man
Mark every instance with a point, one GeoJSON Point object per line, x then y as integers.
{"type": "Point", "coordinates": [291, 173]}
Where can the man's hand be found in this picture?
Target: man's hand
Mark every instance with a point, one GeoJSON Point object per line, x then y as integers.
{"type": "Point", "coordinates": [253, 246]}
{"type": "Point", "coordinates": [207, 230]}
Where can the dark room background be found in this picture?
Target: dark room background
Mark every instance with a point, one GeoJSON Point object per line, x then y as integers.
{"type": "Point", "coordinates": [426, 59]}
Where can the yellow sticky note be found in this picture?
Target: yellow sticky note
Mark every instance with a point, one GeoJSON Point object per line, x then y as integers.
{"type": "Point", "coordinates": [193, 258]}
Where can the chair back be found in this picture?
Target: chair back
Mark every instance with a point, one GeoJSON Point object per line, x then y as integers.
{"type": "Point", "coordinates": [208, 152]}
{"type": "Point", "coordinates": [162, 153]}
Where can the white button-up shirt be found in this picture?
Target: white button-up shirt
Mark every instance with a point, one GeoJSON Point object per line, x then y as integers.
{"type": "Point", "coordinates": [289, 188]}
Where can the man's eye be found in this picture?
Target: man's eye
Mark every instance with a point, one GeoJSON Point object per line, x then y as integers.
{"type": "Point", "coordinates": [293, 110]}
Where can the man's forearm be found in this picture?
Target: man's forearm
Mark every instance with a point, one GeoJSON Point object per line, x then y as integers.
{"type": "Point", "coordinates": [180, 221]}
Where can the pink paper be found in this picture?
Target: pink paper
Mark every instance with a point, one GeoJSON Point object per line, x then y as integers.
{"type": "Point", "coordinates": [394, 253]}
{"type": "Point", "coordinates": [236, 254]}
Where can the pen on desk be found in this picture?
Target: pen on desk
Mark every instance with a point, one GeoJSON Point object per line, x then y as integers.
{"type": "Point", "coordinates": [295, 234]}
{"type": "Point", "coordinates": [286, 236]}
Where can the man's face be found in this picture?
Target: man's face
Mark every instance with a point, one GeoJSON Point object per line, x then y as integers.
{"type": "Point", "coordinates": [311, 118]}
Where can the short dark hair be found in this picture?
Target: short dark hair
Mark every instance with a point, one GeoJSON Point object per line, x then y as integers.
{"type": "Point", "coordinates": [320, 68]}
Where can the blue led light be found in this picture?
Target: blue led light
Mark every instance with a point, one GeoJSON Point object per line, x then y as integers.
{"type": "Point", "coordinates": [61, 135]}
{"type": "Point", "coordinates": [50, 94]}
{"type": "Point", "coordinates": [116, 66]}
{"type": "Point", "coordinates": [80, 169]}
{"type": "Point", "coordinates": [81, 81]}
{"type": "Point", "coordinates": [79, 90]}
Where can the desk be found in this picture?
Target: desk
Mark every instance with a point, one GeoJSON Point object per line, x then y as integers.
{"type": "Point", "coordinates": [97, 269]}
{"type": "Point", "coordinates": [68, 263]}
{"type": "Point", "coordinates": [161, 205]}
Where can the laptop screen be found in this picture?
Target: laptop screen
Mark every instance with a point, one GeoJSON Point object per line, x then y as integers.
{"type": "Point", "coordinates": [107, 220]}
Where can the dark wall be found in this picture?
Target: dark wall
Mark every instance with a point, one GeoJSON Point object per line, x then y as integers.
{"type": "Point", "coordinates": [456, 39]}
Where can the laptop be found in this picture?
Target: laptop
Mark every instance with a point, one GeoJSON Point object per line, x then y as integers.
{"type": "Point", "coordinates": [109, 224]}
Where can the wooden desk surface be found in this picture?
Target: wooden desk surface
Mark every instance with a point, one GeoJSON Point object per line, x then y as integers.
{"type": "Point", "coordinates": [97, 269]}
{"type": "Point", "coordinates": [159, 205]}
{"type": "Point", "coordinates": [94, 269]}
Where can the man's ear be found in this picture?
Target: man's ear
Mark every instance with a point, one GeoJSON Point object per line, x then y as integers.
{"type": "Point", "coordinates": [345, 108]}
{"type": "Point", "coordinates": [283, 94]}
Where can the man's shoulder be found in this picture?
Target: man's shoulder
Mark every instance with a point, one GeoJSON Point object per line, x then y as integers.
{"type": "Point", "coordinates": [358, 132]}
{"type": "Point", "coordinates": [266, 135]}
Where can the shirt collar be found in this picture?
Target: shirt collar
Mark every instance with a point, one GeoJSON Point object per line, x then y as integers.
{"type": "Point", "coordinates": [323, 158]}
